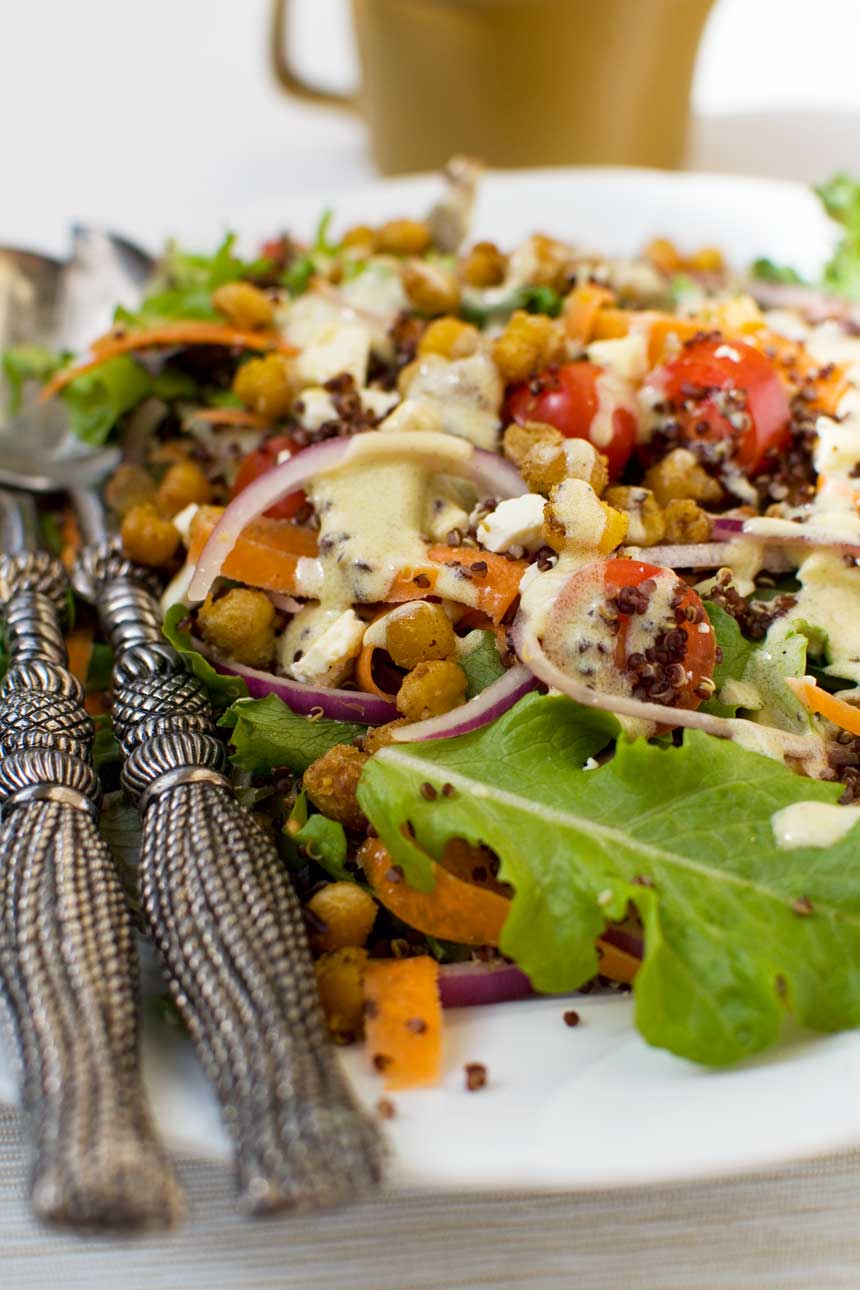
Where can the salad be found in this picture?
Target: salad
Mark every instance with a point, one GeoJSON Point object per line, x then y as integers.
{"type": "Point", "coordinates": [526, 582]}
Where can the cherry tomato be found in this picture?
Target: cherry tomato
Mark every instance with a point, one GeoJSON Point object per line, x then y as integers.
{"type": "Point", "coordinates": [655, 621]}
{"type": "Point", "coordinates": [257, 463]}
{"type": "Point", "coordinates": [720, 388]}
{"type": "Point", "coordinates": [567, 397]}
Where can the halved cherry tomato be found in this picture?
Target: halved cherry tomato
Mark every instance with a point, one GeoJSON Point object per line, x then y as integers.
{"type": "Point", "coordinates": [567, 397]}
{"type": "Point", "coordinates": [721, 388]}
{"type": "Point", "coordinates": [659, 647]}
{"type": "Point", "coordinates": [257, 463]}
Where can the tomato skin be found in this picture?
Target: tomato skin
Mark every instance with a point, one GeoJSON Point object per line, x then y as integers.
{"type": "Point", "coordinates": [603, 585]}
{"type": "Point", "coordinates": [257, 463]}
{"type": "Point", "coordinates": [707, 371]}
{"type": "Point", "coordinates": [568, 399]}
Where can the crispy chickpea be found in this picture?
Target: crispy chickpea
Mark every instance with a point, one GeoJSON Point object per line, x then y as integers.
{"type": "Point", "coordinates": [647, 524]}
{"type": "Point", "coordinates": [148, 538]}
{"type": "Point", "coordinates": [244, 305]}
{"type": "Point", "coordinates": [547, 464]}
{"type": "Point", "coordinates": [339, 982]}
{"type": "Point", "coordinates": [686, 521]}
{"type": "Point", "coordinates": [519, 440]}
{"type": "Point", "coordinates": [679, 475]}
{"type": "Point", "coordinates": [575, 518]}
{"type": "Point", "coordinates": [432, 289]}
{"type": "Point", "coordinates": [419, 632]}
{"type": "Point", "coordinates": [708, 259]}
{"type": "Point", "coordinates": [663, 254]}
{"type": "Point", "coordinates": [348, 913]}
{"type": "Point", "coordinates": [449, 338]}
{"type": "Point", "coordinates": [403, 237]}
{"type": "Point", "coordinates": [528, 343]}
{"type": "Point", "coordinates": [241, 625]}
{"type": "Point", "coordinates": [331, 782]}
{"type": "Point", "coordinates": [264, 385]}
{"type": "Point", "coordinates": [484, 265]}
{"type": "Point", "coordinates": [381, 736]}
{"type": "Point", "coordinates": [360, 237]}
{"type": "Point", "coordinates": [432, 689]}
{"type": "Point", "coordinates": [129, 486]}
{"type": "Point", "coordinates": [183, 484]}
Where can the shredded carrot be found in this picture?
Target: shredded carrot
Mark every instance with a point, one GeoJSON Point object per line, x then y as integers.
{"type": "Point", "coordinates": [403, 1020]}
{"type": "Point", "coordinates": [79, 649]}
{"type": "Point", "coordinates": [811, 695]}
{"type": "Point", "coordinates": [229, 417]}
{"type": "Point", "coordinates": [495, 589]}
{"type": "Point", "coordinates": [364, 673]}
{"type": "Point", "coordinates": [581, 308]}
{"type": "Point", "coordinates": [615, 963]}
{"type": "Point", "coordinates": [454, 910]}
{"type": "Point", "coordinates": [192, 332]}
{"type": "Point", "coordinates": [266, 553]}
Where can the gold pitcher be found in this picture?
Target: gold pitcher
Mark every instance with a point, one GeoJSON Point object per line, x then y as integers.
{"type": "Point", "coordinates": [517, 82]}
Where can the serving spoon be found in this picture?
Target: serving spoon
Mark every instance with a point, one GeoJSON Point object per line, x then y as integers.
{"type": "Point", "coordinates": [217, 898]}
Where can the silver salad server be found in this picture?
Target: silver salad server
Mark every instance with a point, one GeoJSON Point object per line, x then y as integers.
{"type": "Point", "coordinates": [68, 963]}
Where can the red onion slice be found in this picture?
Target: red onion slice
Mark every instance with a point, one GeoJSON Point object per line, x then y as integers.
{"type": "Point", "coordinates": [340, 705]}
{"type": "Point", "coordinates": [731, 527]}
{"type": "Point", "coordinates": [697, 555]}
{"type": "Point", "coordinates": [480, 711]}
{"type": "Point", "coordinates": [532, 653]}
{"type": "Point", "coordinates": [471, 985]}
{"type": "Point", "coordinates": [441, 453]}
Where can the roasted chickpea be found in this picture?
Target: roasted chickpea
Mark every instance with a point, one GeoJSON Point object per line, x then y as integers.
{"type": "Point", "coordinates": [148, 538]}
{"type": "Point", "coordinates": [686, 521]}
{"type": "Point", "coordinates": [348, 913]}
{"type": "Point", "coordinates": [339, 982]}
{"type": "Point", "coordinates": [647, 524]}
{"type": "Point", "coordinates": [519, 440]}
{"type": "Point", "coordinates": [381, 736]}
{"type": "Point", "coordinates": [129, 486]}
{"type": "Point", "coordinates": [361, 237]}
{"type": "Point", "coordinates": [403, 237]}
{"type": "Point", "coordinates": [431, 288]}
{"type": "Point", "coordinates": [241, 625]}
{"type": "Point", "coordinates": [528, 343]}
{"type": "Point", "coordinates": [484, 265]}
{"type": "Point", "coordinates": [183, 484]}
{"type": "Point", "coordinates": [432, 689]}
{"type": "Point", "coordinates": [450, 338]}
{"type": "Point", "coordinates": [419, 632]}
{"type": "Point", "coordinates": [679, 475]}
{"type": "Point", "coordinates": [331, 783]}
{"type": "Point", "coordinates": [244, 305]}
{"type": "Point", "coordinates": [264, 385]}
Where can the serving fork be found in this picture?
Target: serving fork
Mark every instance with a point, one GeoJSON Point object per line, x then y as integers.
{"type": "Point", "coordinates": [216, 896]}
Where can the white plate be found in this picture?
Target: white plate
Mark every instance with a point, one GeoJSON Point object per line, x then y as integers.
{"type": "Point", "coordinates": [592, 1106]}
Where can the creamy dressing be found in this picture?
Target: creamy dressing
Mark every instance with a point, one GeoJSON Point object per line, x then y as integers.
{"type": "Point", "coordinates": [613, 395]}
{"type": "Point", "coordinates": [461, 398]}
{"type": "Point", "coordinates": [812, 824]}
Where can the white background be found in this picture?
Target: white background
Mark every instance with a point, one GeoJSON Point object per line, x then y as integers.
{"type": "Point", "coordinates": [162, 114]}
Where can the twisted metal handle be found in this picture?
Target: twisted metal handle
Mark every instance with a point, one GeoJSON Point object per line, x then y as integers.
{"type": "Point", "coordinates": [68, 965]}
{"type": "Point", "coordinates": [228, 926]}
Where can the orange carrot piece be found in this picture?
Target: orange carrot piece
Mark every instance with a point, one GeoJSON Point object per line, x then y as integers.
{"type": "Point", "coordinates": [581, 308]}
{"type": "Point", "coordinates": [454, 910]}
{"type": "Point", "coordinates": [610, 324]}
{"type": "Point", "coordinates": [662, 326]}
{"type": "Point", "coordinates": [364, 673]}
{"type": "Point", "coordinates": [192, 332]}
{"type": "Point", "coordinates": [495, 590]}
{"type": "Point", "coordinates": [265, 555]}
{"type": "Point", "coordinates": [403, 1020]}
{"type": "Point", "coordinates": [615, 963]}
{"type": "Point", "coordinates": [229, 417]}
{"type": "Point", "coordinates": [815, 699]}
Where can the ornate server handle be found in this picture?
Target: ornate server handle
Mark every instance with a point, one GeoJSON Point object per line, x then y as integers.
{"type": "Point", "coordinates": [68, 965]}
{"type": "Point", "coordinates": [228, 925]}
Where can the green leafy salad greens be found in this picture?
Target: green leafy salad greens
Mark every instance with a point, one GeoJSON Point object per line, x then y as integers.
{"type": "Point", "coordinates": [840, 197]}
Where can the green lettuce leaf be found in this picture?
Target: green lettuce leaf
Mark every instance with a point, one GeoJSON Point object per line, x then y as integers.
{"type": "Point", "coordinates": [186, 281]}
{"type": "Point", "coordinates": [96, 400]}
{"type": "Point", "coordinates": [768, 271]}
{"type": "Point", "coordinates": [482, 665]}
{"type": "Point", "coordinates": [841, 198]}
{"type": "Point", "coordinates": [223, 690]}
{"type": "Point", "coordinates": [736, 652]}
{"type": "Point", "coordinates": [684, 833]}
{"type": "Point", "coordinates": [324, 841]}
{"type": "Point", "coordinates": [268, 735]}
{"type": "Point", "coordinates": [22, 363]}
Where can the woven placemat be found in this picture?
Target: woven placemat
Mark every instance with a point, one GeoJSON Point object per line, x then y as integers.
{"type": "Point", "coordinates": [794, 1229]}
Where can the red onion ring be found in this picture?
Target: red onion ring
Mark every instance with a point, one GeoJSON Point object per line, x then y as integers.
{"type": "Point", "coordinates": [732, 527]}
{"type": "Point", "coordinates": [471, 984]}
{"type": "Point", "coordinates": [502, 694]}
{"type": "Point", "coordinates": [440, 452]}
{"type": "Point", "coordinates": [698, 555]}
{"type": "Point", "coordinates": [340, 705]}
